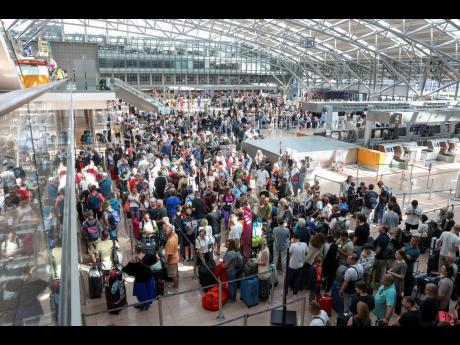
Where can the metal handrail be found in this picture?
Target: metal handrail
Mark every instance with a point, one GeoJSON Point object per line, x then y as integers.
{"type": "Point", "coordinates": [260, 311]}
{"type": "Point", "coordinates": [14, 99]}
{"type": "Point", "coordinates": [69, 303]}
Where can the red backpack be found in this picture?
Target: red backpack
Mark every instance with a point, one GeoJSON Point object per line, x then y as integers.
{"type": "Point", "coordinates": [210, 300]}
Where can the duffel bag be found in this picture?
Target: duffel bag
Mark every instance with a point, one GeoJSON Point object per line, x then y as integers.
{"type": "Point", "coordinates": [210, 300]}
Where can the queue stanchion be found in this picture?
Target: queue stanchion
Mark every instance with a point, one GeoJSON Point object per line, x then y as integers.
{"type": "Point", "coordinates": [272, 292]}
{"type": "Point", "coordinates": [160, 310]}
{"type": "Point", "coordinates": [195, 275]}
{"type": "Point", "coordinates": [246, 319]}
{"type": "Point", "coordinates": [304, 306]}
{"type": "Point", "coordinates": [220, 317]}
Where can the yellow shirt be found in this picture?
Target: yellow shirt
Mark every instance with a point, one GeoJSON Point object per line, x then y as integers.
{"type": "Point", "coordinates": [172, 249]}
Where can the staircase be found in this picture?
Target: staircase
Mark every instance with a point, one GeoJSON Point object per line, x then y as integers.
{"type": "Point", "coordinates": [136, 97]}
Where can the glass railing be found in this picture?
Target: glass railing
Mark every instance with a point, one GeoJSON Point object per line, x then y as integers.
{"type": "Point", "coordinates": [36, 217]}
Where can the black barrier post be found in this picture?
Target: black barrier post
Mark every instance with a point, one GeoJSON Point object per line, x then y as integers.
{"type": "Point", "coordinates": [284, 317]}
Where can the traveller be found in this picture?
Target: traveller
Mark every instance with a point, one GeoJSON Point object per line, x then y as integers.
{"type": "Point", "coordinates": [319, 316]}
{"type": "Point", "coordinates": [429, 306]}
{"type": "Point", "coordinates": [385, 300]}
{"type": "Point", "coordinates": [412, 317]}
{"type": "Point", "coordinates": [398, 271]}
{"type": "Point", "coordinates": [361, 318]}
{"type": "Point", "coordinates": [449, 241]}
{"type": "Point", "coordinates": [413, 213]}
{"type": "Point", "coordinates": [232, 264]}
{"type": "Point", "coordinates": [172, 258]}
{"type": "Point", "coordinates": [92, 230]}
{"type": "Point", "coordinates": [411, 254]}
{"type": "Point", "coordinates": [144, 283]}
{"type": "Point", "coordinates": [383, 252]}
{"type": "Point", "coordinates": [445, 286]}
{"type": "Point", "coordinates": [361, 235]}
{"type": "Point", "coordinates": [297, 252]}
{"type": "Point", "coordinates": [384, 197]}
{"type": "Point", "coordinates": [353, 274]}
{"type": "Point", "coordinates": [281, 236]}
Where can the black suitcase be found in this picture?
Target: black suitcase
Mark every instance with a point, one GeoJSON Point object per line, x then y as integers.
{"type": "Point", "coordinates": [95, 282]}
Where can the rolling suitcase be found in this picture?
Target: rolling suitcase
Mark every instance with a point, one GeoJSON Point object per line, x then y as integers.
{"type": "Point", "coordinates": [250, 291]}
{"type": "Point", "coordinates": [325, 303]}
{"type": "Point", "coordinates": [95, 282]}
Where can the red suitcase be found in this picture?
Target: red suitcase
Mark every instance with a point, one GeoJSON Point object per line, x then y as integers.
{"type": "Point", "coordinates": [326, 303]}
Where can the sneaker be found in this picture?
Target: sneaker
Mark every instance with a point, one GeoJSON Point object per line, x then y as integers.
{"type": "Point", "coordinates": [173, 291]}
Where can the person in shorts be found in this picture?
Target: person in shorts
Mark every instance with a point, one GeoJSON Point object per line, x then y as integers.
{"type": "Point", "coordinates": [172, 258]}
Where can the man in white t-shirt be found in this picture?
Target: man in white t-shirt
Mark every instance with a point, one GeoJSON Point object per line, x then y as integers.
{"type": "Point", "coordinates": [413, 213]}
{"type": "Point", "coordinates": [319, 317]}
{"type": "Point", "coordinates": [448, 242]}
{"type": "Point", "coordinates": [354, 273]}
{"type": "Point", "coordinates": [297, 252]}
{"type": "Point", "coordinates": [262, 177]}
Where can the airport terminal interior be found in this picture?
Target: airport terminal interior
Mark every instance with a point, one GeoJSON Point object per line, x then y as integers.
{"type": "Point", "coordinates": [229, 172]}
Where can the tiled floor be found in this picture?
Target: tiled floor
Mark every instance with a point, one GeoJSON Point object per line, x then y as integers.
{"type": "Point", "coordinates": [186, 309]}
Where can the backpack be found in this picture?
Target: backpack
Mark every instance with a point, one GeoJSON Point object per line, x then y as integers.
{"type": "Point", "coordinates": [94, 203]}
{"type": "Point", "coordinates": [387, 193]}
{"type": "Point", "coordinates": [93, 232]}
{"type": "Point", "coordinates": [339, 226]}
{"type": "Point", "coordinates": [114, 218]}
{"type": "Point", "coordinates": [432, 227]}
{"type": "Point", "coordinates": [371, 199]}
{"type": "Point", "coordinates": [388, 252]}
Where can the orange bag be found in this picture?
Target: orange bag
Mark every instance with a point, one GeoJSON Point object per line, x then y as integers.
{"type": "Point", "coordinates": [210, 300]}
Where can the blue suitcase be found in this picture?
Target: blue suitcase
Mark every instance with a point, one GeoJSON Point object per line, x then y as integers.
{"type": "Point", "coordinates": [249, 291]}
{"type": "Point", "coordinates": [337, 301]}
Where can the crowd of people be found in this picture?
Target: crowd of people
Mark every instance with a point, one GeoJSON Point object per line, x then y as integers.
{"type": "Point", "coordinates": [181, 180]}
{"type": "Point", "coordinates": [190, 192]}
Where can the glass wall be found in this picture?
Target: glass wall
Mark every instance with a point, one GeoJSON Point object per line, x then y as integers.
{"type": "Point", "coordinates": [184, 62]}
{"type": "Point", "coordinates": [34, 146]}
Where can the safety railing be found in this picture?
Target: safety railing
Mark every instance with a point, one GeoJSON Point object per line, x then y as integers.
{"type": "Point", "coordinates": [161, 299]}
{"type": "Point", "coordinates": [247, 316]}
{"type": "Point", "coordinates": [14, 99]}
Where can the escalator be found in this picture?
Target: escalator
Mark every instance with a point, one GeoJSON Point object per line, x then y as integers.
{"type": "Point", "coordinates": [136, 97]}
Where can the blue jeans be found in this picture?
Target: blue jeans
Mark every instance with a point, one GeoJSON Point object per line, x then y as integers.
{"type": "Point", "coordinates": [231, 273]}
{"type": "Point", "coordinates": [378, 212]}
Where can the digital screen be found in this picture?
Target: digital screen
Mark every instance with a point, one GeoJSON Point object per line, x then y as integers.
{"type": "Point", "coordinates": [377, 133]}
